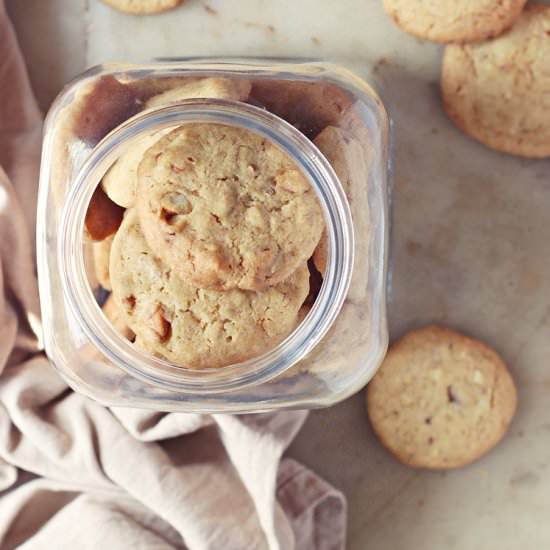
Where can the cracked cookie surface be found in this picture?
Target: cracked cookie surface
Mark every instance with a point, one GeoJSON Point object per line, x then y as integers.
{"type": "Point", "coordinates": [440, 399]}
{"type": "Point", "coordinates": [192, 327]}
{"type": "Point", "coordinates": [225, 208]}
{"type": "Point", "coordinates": [498, 92]}
{"type": "Point", "coordinates": [452, 20]}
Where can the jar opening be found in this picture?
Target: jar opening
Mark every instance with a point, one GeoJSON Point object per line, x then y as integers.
{"type": "Point", "coordinates": [83, 305]}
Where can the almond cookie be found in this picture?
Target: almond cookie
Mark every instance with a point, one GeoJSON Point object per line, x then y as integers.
{"type": "Point", "coordinates": [452, 21]}
{"type": "Point", "coordinates": [225, 208]}
{"type": "Point", "coordinates": [193, 327]}
{"type": "Point", "coordinates": [498, 92]}
{"type": "Point", "coordinates": [440, 399]}
{"type": "Point", "coordinates": [101, 253]}
{"type": "Point", "coordinates": [143, 7]}
{"type": "Point", "coordinates": [120, 181]}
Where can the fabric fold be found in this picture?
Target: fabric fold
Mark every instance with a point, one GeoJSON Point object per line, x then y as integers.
{"type": "Point", "coordinates": [75, 474]}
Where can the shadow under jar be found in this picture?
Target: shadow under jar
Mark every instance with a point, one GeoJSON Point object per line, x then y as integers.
{"type": "Point", "coordinates": [332, 125]}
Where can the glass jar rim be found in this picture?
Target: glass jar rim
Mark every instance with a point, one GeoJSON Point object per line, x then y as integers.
{"type": "Point", "coordinates": [160, 372]}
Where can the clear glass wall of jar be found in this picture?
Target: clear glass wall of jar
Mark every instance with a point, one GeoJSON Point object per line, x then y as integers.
{"type": "Point", "coordinates": [342, 340]}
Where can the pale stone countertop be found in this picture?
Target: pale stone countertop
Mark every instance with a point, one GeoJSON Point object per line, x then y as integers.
{"type": "Point", "coordinates": [471, 249]}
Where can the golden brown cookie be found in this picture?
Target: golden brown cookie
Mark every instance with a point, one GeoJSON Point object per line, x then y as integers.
{"type": "Point", "coordinates": [225, 208]}
{"type": "Point", "coordinates": [498, 92]}
{"type": "Point", "coordinates": [211, 87]}
{"type": "Point", "coordinates": [193, 327]}
{"type": "Point", "coordinates": [103, 216]}
{"type": "Point", "coordinates": [309, 106]}
{"type": "Point", "coordinates": [116, 317]}
{"type": "Point", "coordinates": [440, 399]}
{"type": "Point", "coordinates": [101, 252]}
{"type": "Point", "coordinates": [452, 20]}
{"type": "Point", "coordinates": [120, 181]}
{"type": "Point", "coordinates": [97, 106]}
{"type": "Point", "coordinates": [143, 7]}
{"type": "Point", "coordinates": [102, 106]}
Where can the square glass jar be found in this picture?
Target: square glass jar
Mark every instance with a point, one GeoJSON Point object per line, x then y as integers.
{"type": "Point", "coordinates": [341, 341]}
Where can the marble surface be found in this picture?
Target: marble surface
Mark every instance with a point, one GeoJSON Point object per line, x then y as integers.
{"type": "Point", "coordinates": [470, 249]}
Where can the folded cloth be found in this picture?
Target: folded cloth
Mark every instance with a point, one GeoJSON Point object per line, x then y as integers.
{"type": "Point", "coordinates": [74, 474]}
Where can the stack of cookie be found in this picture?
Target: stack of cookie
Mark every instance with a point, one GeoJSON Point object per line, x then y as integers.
{"type": "Point", "coordinates": [214, 227]}
{"type": "Point", "coordinates": [495, 79]}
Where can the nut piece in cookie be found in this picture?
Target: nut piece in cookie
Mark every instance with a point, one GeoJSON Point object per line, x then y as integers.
{"type": "Point", "coordinates": [440, 399]}
{"type": "Point", "coordinates": [197, 328]}
{"type": "Point", "coordinates": [225, 208]}
{"type": "Point", "coordinates": [116, 317]}
{"type": "Point", "coordinates": [143, 7]}
{"type": "Point", "coordinates": [101, 253]}
{"type": "Point", "coordinates": [452, 21]}
{"type": "Point", "coordinates": [498, 91]}
{"type": "Point", "coordinates": [103, 216]}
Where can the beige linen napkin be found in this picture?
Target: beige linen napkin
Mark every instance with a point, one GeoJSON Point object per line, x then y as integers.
{"type": "Point", "coordinates": [74, 474]}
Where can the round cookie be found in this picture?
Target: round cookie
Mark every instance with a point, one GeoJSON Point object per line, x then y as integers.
{"type": "Point", "coordinates": [309, 106]}
{"type": "Point", "coordinates": [498, 92]}
{"type": "Point", "coordinates": [452, 20]}
{"type": "Point", "coordinates": [225, 208]}
{"type": "Point", "coordinates": [211, 87]}
{"type": "Point", "coordinates": [440, 399]}
{"type": "Point", "coordinates": [119, 183]}
{"type": "Point", "coordinates": [193, 327]}
{"type": "Point", "coordinates": [143, 7]}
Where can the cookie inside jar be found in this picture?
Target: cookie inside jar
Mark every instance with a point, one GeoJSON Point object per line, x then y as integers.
{"type": "Point", "coordinates": [203, 238]}
{"type": "Point", "coordinates": [213, 233]}
{"type": "Point", "coordinates": [207, 240]}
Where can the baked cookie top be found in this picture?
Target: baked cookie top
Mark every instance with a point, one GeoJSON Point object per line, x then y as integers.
{"type": "Point", "coordinates": [440, 399]}
{"type": "Point", "coordinates": [120, 181]}
{"type": "Point", "coordinates": [452, 20]}
{"type": "Point", "coordinates": [143, 7]}
{"type": "Point", "coordinates": [192, 327]}
{"type": "Point", "coordinates": [225, 208]}
{"type": "Point", "coordinates": [498, 92]}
